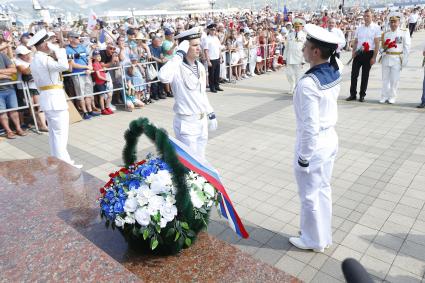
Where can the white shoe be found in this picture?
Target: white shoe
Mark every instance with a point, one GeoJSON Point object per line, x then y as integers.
{"type": "Point", "coordinates": [391, 101]}
{"type": "Point", "coordinates": [78, 166]}
{"type": "Point", "coordinates": [253, 75]}
{"type": "Point", "coordinates": [382, 100]}
{"type": "Point", "coordinates": [297, 242]}
{"type": "Point", "coordinates": [112, 107]}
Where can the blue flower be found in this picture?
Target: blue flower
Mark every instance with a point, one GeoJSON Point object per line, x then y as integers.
{"type": "Point", "coordinates": [118, 208]}
{"type": "Point", "coordinates": [133, 184]}
{"type": "Point", "coordinates": [110, 194]}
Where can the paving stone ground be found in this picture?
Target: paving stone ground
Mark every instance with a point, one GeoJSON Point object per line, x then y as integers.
{"type": "Point", "coordinates": [378, 181]}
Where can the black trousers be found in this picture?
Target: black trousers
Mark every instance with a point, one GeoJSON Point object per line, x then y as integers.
{"type": "Point", "coordinates": [412, 28]}
{"type": "Point", "coordinates": [214, 74]}
{"type": "Point", "coordinates": [360, 61]}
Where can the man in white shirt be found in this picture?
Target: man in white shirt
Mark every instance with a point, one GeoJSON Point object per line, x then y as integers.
{"type": "Point", "coordinates": [413, 19]}
{"type": "Point", "coordinates": [212, 51]}
{"type": "Point", "coordinates": [338, 32]}
{"type": "Point", "coordinates": [194, 114]}
{"type": "Point", "coordinates": [46, 72]}
{"type": "Point", "coordinates": [369, 33]}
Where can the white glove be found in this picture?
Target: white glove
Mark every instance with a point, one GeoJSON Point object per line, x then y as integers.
{"type": "Point", "coordinates": [53, 47]}
{"type": "Point", "coordinates": [183, 47]}
{"type": "Point", "coordinates": [212, 122]}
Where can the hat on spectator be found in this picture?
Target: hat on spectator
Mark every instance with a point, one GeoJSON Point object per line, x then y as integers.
{"type": "Point", "coordinates": [27, 34]}
{"type": "Point", "coordinates": [394, 16]}
{"type": "Point", "coordinates": [288, 24]}
{"type": "Point", "coordinates": [189, 34]}
{"type": "Point", "coordinates": [298, 22]}
{"type": "Point", "coordinates": [168, 31]}
{"type": "Point", "coordinates": [131, 31]}
{"type": "Point", "coordinates": [96, 52]}
{"type": "Point", "coordinates": [133, 57]}
{"type": "Point", "coordinates": [140, 36]}
{"type": "Point", "coordinates": [211, 26]}
{"type": "Point", "coordinates": [22, 50]}
{"type": "Point", "coordinates": [324, 38]}
{"type": "Point", "coordinates": [38, 38]}
{"type": "Point", "coordinates": [73, 34]}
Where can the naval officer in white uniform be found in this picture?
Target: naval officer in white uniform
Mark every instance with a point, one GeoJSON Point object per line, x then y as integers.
{"type": "Point", "coordinates": [394, 58]}
{"type": "Point", "coordinates": [46, 72]}
{"type": "Point", "coordinates": [293, 54]}
{"type": "Point", "coordinates": [315, 104]}
{"type": "Point", "coordinates": [194, 115]}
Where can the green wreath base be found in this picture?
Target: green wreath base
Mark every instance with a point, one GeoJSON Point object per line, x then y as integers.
{"type": "Point", "coordinates": [167, 242]}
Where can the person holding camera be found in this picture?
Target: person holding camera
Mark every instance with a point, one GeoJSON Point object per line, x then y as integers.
{"type": "Point", "coordinates": [80, 62]}
{"type": "Point", "coordinates": [22, 62]}
{"type": "Point", "coordinates": [46, 72]}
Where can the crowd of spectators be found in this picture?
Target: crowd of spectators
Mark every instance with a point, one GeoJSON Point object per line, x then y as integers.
{"type": "Point", "coordinates": [115, 64]}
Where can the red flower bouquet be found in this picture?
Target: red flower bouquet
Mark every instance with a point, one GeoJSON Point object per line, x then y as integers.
{"type": "Point", "coordinates": [364, 48]}
{"type": "Point", "coordinates": [388, 44]}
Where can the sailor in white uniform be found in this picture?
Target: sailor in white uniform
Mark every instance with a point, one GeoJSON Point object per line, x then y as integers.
{"type": "Point", "coordinates": [46, 72]}
{"type": "Point", "coordinates": [293, 54]}
{"type": "Point", "coordinates": [194, 115]}
{"type": "Point", "coordinates": [315, 105]}
{"type": "Point", "coordinates": [394, 58]}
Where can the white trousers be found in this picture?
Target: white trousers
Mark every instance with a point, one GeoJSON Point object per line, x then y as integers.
{"type": "Point", "coordinates": [252, 60]}
{"type": "Point", "coordinates": [390, 80]}
{"type": "Point", "coordinates": [293, 72]}
{"type": "Point", "coordinates": [315, 192]}
{"type": "Point", "coordinates": [193, 132]}
{"type": "Point", "coordinates": [58, 123]}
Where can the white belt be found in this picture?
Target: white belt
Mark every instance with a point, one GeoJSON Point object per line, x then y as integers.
{"type": "Point", "coordinates": [199, 116]}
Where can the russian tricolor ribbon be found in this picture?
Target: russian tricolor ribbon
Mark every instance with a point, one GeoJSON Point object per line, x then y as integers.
{"type": "Point", "coordinates": [196, 164]}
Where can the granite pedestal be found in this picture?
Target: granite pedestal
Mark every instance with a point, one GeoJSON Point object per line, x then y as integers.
{"type": "Point", "coordinates": [51, 231]}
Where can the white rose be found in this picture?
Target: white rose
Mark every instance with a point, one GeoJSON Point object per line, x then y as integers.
{"type": "Point", "coordinates": [142, 216]}
{"type": "Point", "coordinates": [196, 201]}
{"type": "Point", "coordinates": [131, 194]}
{"type": "Point", "coordinates": [165, 177]}
{"type": "Point", "coordinates": [130, 205]}
{"type": "Point", "coordinates": [119, 221]}
{"type": "Point", "coordinates": [147, 194]}
{"type": "Point", "coordinates": [129, 219]}
{"type": "Point", "coordinates": [209, 189]}
{"type": "Point", "coordinates": [142, 200]}
{"type": "Point", "coordinates": [170, 199]}
{"type": "Point", "coordinates": [168, 212]}
{"type": "Point", "coordinates": [149, 179]}
{"type": "Point", "coordinates": [163, 223]}
{"type": "Point", "coordinates": [155, 204]}
{"type": "Point", "coordinates": [158, 187]}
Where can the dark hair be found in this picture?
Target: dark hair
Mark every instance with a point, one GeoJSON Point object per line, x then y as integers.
{"type": "Point", "coordinates": [367, 11]}
{"type": "Point", "coordinates": [325, 52]}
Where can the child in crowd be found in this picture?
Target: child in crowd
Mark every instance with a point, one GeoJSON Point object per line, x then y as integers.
{"type": "Point", "coordinates": [135, 90]}
{"type": "Point", "coordinates": [100, 81]}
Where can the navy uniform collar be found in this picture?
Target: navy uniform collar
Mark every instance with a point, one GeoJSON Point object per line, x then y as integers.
{"type": "Point", "coordinates": [324, 75]}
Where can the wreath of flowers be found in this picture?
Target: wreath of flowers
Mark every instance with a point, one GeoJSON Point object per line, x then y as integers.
{"type": "Point", "coordinates": [157, 204]}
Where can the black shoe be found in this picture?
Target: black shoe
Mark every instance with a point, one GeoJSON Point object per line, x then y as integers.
{"type": "Point", "coordinates": [213, 90]}
{"type": "Point", "coordinates": [219, 89]}
{"type": "Point", "coordinates": [162, 96]}
{"type": "Point", "coordinates": [350, 98]}
{"type": "Point", "coordinates": [361, 99]}
{"type": "Point", "coordinates": [155, 98]}
{"type": "Point", "coordinates": [169, 94]}
{"type": "Point", "coordinates": [421, 106]}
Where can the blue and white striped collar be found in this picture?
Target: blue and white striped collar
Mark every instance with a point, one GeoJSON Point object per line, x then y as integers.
{"type": "Point", "coordinates": [324, 75]}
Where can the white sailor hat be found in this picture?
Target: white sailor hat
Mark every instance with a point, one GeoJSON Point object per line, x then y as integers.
{"type": "Point", "coordinates": [393, 16]}
{"type": "Point", "coordinates": [325, 38]}
{"type": "Point", "coordinates": [192, 33]}
{"type": "Point", "coordinates": [38, 38]}
{"type": "Point", "coordinates": [51, 34]}
{"type": "Point", "coordinates": [321, 36]}
{"type": "Point", "coordinates": [298, 22]}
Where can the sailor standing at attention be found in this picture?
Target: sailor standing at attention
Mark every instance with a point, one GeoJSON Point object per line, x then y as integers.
{"type": "Point", "coordinates": [46, 72]}
{"type": "Point", "coordinates": [194, 115]}
{"type": "Point", "coordinates": [394, 58]}
{"type": "Point", "coordinates": [315, 104]}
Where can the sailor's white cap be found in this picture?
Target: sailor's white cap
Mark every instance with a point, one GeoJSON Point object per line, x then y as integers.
{"type": "Point", "coordinates": [38, 38]}
{"type": "Point", "coordinates": [22, 50]}
{"type": "Point", "coordinates": [298, 22]}
{"type": "Point", "coordinates": [321, 36]}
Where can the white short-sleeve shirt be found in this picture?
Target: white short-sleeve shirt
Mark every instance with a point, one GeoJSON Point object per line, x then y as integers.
{"type": "Point", "coordinates": [213, 45]}
{"type": "Point", "coordinates": [367, 34]}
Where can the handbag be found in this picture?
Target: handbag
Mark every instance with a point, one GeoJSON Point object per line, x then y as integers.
{"type": "Point", "coordinates": [151, 73]}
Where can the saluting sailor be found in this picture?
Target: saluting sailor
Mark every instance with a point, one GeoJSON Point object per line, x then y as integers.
{"type": "Point", "coordinates": [315, 104]}
{"type": "Point", "coordinates": [194, 115]}
{"type": "Point", "coordinates": [394, 58]}
{"type": "Point", "coordinates": [46, 72]}
{"type": "Point", "coordinates": [293, 54]}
